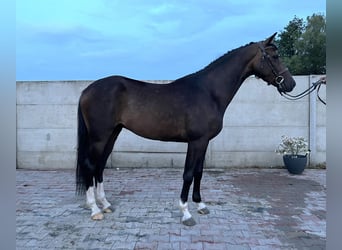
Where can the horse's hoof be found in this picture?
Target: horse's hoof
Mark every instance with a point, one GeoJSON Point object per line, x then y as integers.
{"type": "Point", "coordinates": [203, 211]}
{"type": "Point", "coordinates": [98, 216]}
{"type": "Point", "coordinates": [189, 222]}
{"type": "Point", "coordinates": [107, 210]}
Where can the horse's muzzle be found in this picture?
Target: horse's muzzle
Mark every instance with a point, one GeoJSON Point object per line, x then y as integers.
{"type": "Point", "coordinates": [285, 85]}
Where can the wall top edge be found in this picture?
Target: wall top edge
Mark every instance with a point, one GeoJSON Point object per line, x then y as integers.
{"type": "Point", "coordinates": [146, 80]}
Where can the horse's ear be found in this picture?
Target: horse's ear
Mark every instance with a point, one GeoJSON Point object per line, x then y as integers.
{"type": "Point", "coordinates": [269, 40]}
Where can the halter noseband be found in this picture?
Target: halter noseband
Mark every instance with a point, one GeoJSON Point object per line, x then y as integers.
{"type": "Point", "coordinates": [279, 79]}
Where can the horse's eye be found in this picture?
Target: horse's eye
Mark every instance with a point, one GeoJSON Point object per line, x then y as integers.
{"type": "Point", "coordinates": [275, 57]}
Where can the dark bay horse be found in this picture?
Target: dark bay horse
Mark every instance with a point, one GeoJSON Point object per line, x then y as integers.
{"type": "Point", "coordinates": [189, 109]}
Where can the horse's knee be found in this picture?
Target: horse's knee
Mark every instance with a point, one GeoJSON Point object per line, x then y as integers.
{"type": "Point", "coordinates": [198, 173]}
{"type": "Point", "coordinates": [188, 177]}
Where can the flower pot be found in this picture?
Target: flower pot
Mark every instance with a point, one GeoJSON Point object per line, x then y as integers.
{"type": "Point", "coordinates": [295, 164]}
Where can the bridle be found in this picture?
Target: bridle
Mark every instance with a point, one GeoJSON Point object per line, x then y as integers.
{"type": "Point", "coordinates": [278, 78]}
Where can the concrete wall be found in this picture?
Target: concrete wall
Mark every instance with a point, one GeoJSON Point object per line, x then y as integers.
{"type": "Point", "coordinates": [253, 125]}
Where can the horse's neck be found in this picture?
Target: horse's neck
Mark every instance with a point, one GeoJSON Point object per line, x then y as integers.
{"type": "Point", "coordinates": [225, 80]}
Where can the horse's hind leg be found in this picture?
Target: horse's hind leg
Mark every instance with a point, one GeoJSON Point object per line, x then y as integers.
{"type": "Point", "coordinates": [95, 150]}
{"type": "Point", "coordinates": [96, 213]}
{"type": "Point", "coordinates": [100, 193]}
{"type": "Point", "coordinates": [101, 198]}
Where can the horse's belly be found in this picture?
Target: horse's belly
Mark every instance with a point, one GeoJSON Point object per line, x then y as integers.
{"type": "Point", "coordinates": [159, 132]}
{"type": "Point", "coordinates": [158, 127]}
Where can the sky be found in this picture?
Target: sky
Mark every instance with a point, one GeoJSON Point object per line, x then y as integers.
{"type": "Point", "coordinates": [145, 40]}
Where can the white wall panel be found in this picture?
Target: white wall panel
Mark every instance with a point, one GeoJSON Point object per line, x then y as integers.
{"type": "Point", "coordinates": [253, 124]}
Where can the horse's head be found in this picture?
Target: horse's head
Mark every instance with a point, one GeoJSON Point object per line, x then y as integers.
{"type": "Point", "coordinates": [268, 66]}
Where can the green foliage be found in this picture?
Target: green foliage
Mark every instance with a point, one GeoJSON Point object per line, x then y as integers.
{"type": "Point", "coordinates": [302, 45]}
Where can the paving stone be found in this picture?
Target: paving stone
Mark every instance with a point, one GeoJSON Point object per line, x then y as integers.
{"type": "Point", "coordinates": [169, 246]}
{"type": "Point", "coordinates": [249, 209]}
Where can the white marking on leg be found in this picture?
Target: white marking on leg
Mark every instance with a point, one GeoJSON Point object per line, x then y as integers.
{"type": "Point", "coordinates": [201, 205]}
{"type": "Point", "coordinates": [202, 208]}
{"type": "Point", "coordinates": [185, 210]}
{"type": "Point", "coordinates": [101, 197]}
{"type": "Point", "coordinates": [91, 203]}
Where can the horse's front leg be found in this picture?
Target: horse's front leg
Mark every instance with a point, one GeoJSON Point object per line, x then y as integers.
{"type": "Point", "coordinates": [194, 161]}
{"type": "Point", "coordinates": [196, 195]}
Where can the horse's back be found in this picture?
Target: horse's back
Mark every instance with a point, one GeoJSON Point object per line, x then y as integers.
{"type": "Point", "coordinates": [112, 84]}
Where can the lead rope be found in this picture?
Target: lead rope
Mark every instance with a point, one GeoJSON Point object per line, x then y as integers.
{"type": "Point", "coordinates": [319, 98]}
{"type": "Point", "coordinates": [306, 92]}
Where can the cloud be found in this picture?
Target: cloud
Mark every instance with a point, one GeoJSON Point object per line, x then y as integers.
{"type": "Point", "coordinates": [65, 35]}
{"type": "Point", "coordinates": [147, 39]}
{"type": "Point", "coordinates": [164, 8]}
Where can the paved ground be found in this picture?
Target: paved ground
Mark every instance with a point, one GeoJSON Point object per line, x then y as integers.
{"type": "Point", "coordinates": [249, 209]}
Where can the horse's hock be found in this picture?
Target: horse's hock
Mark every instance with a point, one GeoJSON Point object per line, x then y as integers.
{"type": "Point", "coordinates": [253, 124]}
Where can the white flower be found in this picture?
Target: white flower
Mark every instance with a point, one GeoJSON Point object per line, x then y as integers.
{"type": "Point", "coordinates": [293, 146]}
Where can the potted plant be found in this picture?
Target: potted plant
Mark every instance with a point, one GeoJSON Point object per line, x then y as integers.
{"type": "Point", "coordinates": [295, 151]}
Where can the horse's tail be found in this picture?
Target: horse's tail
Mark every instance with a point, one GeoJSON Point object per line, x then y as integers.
{"type": "Point", "coordinates": [82, 153]}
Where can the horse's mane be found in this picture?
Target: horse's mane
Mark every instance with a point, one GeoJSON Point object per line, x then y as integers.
{"type": "Point", "coordinates": [224, 57]}
{"type": "Point", "coordinates": [217, 62]}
